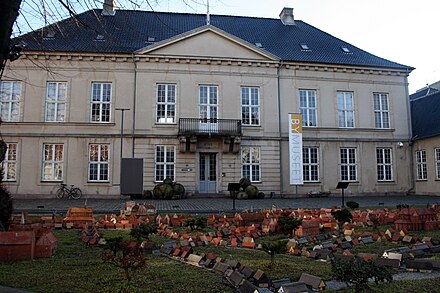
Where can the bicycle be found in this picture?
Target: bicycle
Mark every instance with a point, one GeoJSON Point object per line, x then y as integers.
{"type": "Point", "coordinates": [72, 192]}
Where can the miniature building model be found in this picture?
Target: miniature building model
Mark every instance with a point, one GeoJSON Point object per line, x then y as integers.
{"type": "Point", "coordinates": [203, 104]}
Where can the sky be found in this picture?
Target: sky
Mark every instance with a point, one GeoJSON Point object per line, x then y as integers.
{"type": "Point", "coordinates": [403, 31]}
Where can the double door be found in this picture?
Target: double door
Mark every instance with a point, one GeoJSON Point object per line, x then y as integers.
{"type": "Point", "coordinates": [207, 172]}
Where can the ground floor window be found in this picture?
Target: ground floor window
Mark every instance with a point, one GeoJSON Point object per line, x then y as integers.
{"type": "Point", "coordinates": [310, 164]}
{"type": "Point", "coordinates": [422, 173]}
{"type": "Point", "coordinates": [99, 162]}
{"type": "Point", "coordinates": [348, 164]}
{"type": "Point", "coordinates": [53, 157]}
{"type": "Point", "coordinates": [384, 164]}
{"type": "Point", "coordinates": [250, 163]}
{"type": "Point", "coordinates": [165, 160]}
{"type": "Point", "coordinates": [10, 163]}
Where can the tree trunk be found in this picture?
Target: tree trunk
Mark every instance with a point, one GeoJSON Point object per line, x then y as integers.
{"type": "Point", "coordinates": [8, 15]}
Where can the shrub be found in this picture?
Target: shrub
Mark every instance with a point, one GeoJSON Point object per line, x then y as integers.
{"type": "Point", "coordinates": [251, 191]}
{"type": "Point", "coordinates": [196, 222]}
{"type": "Point", "coordinates": [288, 225]}
{"type": "Point", "coordinates": [274, 247]}
{"type": "Point", "coordinates": [355, 271]}
{"type": "Point", "coordinates": [352, 205]}
{"type": "Point", "coordinates": [143, 231]}
{"type": "Point", "coordinates": [244, 182]}
{"type": "Point", "coordinates": [163, 191]}
{"type": "Point", "coordinates": [178, 190]}
{"type": "Point", "coordinates": [342, 216]}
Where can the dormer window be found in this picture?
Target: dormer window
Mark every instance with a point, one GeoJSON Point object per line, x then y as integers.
{"type": "Point", "coordinates": [100, 38]}
{"type": "Point", "coordinates": [259, 45]}
{"type": "Point", "coordinates": [50, 35]}
{"type": "Point", "coordinates": [151, 39]}
{"type": "Point", "coordinates": [305, 47]}
{"type": "Point", "coordinates": [346, 50]}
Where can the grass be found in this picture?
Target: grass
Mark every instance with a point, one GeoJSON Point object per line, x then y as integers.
{"type": "Point", "coordinates": [78, 268]}
{"type": "Point", "coordinates": [407, 286]}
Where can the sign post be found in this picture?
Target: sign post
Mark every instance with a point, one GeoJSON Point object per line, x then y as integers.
{"type": "Point", "coordinates": [342, 185]}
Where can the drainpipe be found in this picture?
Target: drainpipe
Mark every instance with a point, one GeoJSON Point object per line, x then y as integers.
{"type": "Point", "coordinates": [279, 126]}
{"type": "Point", "coordinates": [410, 140]}
{"type": "Point", "coordinates": [134, 104]}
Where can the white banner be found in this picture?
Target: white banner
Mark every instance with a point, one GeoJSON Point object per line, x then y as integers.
{"type": "Point", "coordinates": [295, 149]}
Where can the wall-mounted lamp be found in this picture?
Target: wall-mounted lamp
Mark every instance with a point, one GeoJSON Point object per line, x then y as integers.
{"type": "Point", "coordinates": [400, 144]}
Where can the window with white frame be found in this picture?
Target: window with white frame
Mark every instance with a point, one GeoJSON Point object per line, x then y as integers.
{"type": "Point", "coordinates": [165, 162]}
{"type": "Point", "coordinates": [307, 105]}
{"type": "Point", "coordinates": [10, 96]}
{"type": "Point", "coordinates": [381, 110]}
{"type": "Point", "coordinates": [100, 107]}
{"type": "Point", "coordinates": [345, 109]}
{"type": "Point", "coordinates": [99, 162]}
{"type": "Point", "coordinates": [348, 164]}
{"type": "Point", "coordinates": [437, 163]}
{"type": "Point", "coordinates": [384, 160]}
{"type": "Point", "coordinates": [10, 163]}
{"type": "Point", "coordinates": [250, 163]}
{"type": "Point", "coordinates": [250, 106]}
{"type": "Point", "coordinates": [422, 173]}
{"type": "Point", "coordinates": [53, 161]}
{"type": "Point", "coordinates": [310, 164]}
{"type": "Point", "coordinates": [208, 102]}
{"type": "Point", "coordinates": [56, 93]}
{"type": "Point", "coordinates": [166, 103]}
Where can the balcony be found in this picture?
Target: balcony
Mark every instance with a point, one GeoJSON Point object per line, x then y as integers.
{"type": "Point", "coordinates": [209, 127]}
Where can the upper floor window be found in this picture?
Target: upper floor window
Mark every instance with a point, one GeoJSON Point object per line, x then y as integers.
{"type": "Point", "coordinates": [208, 102]}
{"type": "Point", "coordinates": [101, 102]}
{"type": "Point", "coordinates": [345, 109]}
{"type": "Point", "coordinates": [99, 162]}
{"type": "Point", "coordinates": [348, 164]}
{"type": "Point", "coordinates": [384, 162]}
{"type": "Point", "coordinates": [165, 160]}
{"type": "Point", "coordinates": [307, 105]}
{"type": "Point", "coordinates": [166, 103]}
{"type": "Point", "coordinates": [250, 163]}
{"type": "Point", "coordinates": [250, 105]}
{"type": "Point", "coordinates": [310, 164]}
{"type": "Point", "coordinates": [10, 96]}
{"type": "Point", "coordinates": [10, 163]}
{"type": "Point", "coordinates": [437, 163]}
{"type": "Point", "coordinates": [53, 157]}
{"type": "Point", "coordinates": [56, 101]}
{"type": "Point", "coordinates": [422, 173]}
{"type": "Point", "coordinates": [381, 111]}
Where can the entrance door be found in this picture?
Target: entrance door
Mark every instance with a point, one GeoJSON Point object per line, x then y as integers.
{"type": "Point", "coordinates": [207, 173]}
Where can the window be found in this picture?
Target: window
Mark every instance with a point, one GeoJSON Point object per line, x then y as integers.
{"type": "Point", "coordinates": [384, 164]}
{"type": "Point", "coordinates": [100, 104]}
{"type": "Point", "coordinates": [310, 164]}
{"type": "Point", "coordinates": [56, 101]}
{"type": "Point", "coordinates": [422, 173]}
{"type": "Point", "coordinates": [10, 163]}
{"type": "Point", "coordinates": [99, 162]}
{"type": "Point", "coordinates": [348, 164]}
{"type": "Point", "coordinates": [307, 105]}
{"type": "Point", "coordinates": [165, 160]}
{"type": "Point", "coordinates": [437, 164]}
{"type": "Point", "coordinates": [381, 111]}
{"type": "Point", "coordinates": [250, 160]}
{"type": "Point", "coordinates": [208, 102]}
{"type": "Point", "coordinates": [345, 109]}
{"type": "Point", "coordinates": [53, 156]}
{"type": "Point", "coordinates": [10, 96]}
{"type": "Point", "coordinates": [250, 106]}
{"type": "Point", "coordinates": [166, 103]}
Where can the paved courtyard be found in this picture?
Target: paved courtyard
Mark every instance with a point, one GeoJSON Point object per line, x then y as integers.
{"type": "Point", "coordinates": [217, 205]}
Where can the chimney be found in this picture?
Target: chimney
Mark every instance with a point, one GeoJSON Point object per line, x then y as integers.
{"type": "Point", "coordinates": [108, 9]}
{"type": "Point", "coordinates": [286, 16]}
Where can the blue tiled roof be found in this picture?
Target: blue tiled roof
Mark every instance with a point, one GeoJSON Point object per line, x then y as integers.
{"type": "Point", "coordinates": [425, 116]}
{"type": "Point", "coordinates": [422, 93]}
{"type": "Point", "coordinates": [128, 31]}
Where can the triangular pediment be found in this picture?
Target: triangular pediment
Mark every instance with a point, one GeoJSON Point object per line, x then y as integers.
{"type": "Point", "coordinates": [207, 42]}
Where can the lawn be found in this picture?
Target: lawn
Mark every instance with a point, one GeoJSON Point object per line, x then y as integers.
{"type": "Point", "coordinates": [78, 268]}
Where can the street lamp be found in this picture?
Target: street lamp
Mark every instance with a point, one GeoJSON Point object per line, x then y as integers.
{"type": "Point", "coordinates": [122, 135]}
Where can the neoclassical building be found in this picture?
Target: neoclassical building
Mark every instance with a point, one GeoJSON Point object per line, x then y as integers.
{"type": "Point", "coordinates": [204, 101]}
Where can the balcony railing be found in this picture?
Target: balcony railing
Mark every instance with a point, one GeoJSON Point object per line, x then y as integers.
{"type": "Point", "coordinates": [209, 127]}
